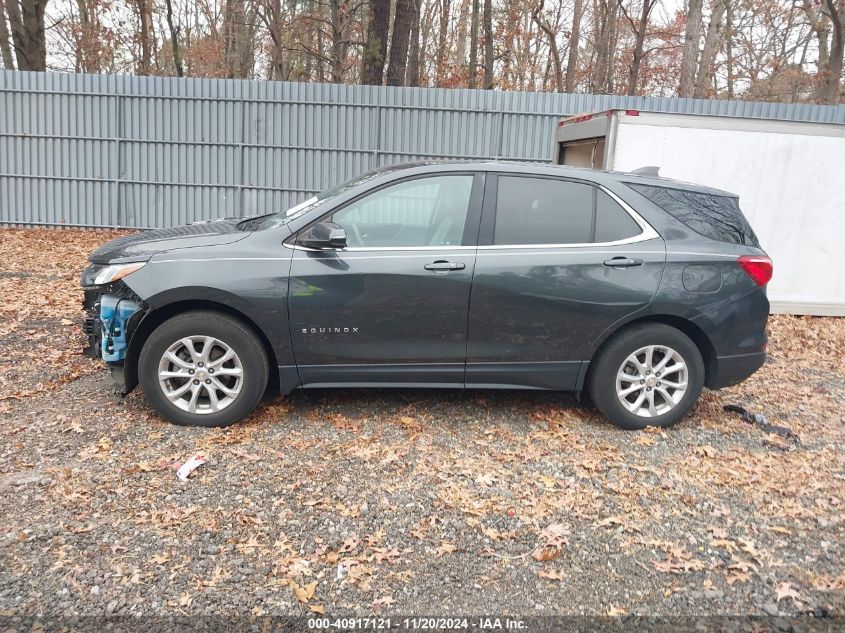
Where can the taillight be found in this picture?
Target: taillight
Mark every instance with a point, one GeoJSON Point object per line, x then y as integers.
{"type": "Point", "coordinates": [756, 267]}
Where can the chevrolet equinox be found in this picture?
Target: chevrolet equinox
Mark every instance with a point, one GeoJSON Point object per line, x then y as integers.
{"type": "Point", "coordinates": [490, 275]}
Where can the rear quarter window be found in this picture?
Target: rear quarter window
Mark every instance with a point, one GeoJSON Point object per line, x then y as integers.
{"type": "Point", "coordinates": [716, 217]}
{"type": "Point", "coordinates": [612, 221]}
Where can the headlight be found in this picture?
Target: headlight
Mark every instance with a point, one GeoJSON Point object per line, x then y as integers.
{"type": "Point", "coordinates": [113, 272]}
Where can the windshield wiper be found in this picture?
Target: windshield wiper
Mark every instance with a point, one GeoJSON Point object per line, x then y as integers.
{"type": "Point", "coordinates": [250, 224]}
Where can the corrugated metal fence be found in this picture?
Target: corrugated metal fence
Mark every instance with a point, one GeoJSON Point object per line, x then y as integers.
{"type": "Point", "coordinates": [101, 150]}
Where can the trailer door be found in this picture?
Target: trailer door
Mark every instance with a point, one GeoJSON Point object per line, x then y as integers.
{"type": "Point", "coordinates": [584, 153]}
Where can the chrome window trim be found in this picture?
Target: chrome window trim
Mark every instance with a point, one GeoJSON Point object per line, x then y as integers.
{"type": "Point", "coordinates": [647, 233]}
{"type": "Point", "coordinates": [355, 249]}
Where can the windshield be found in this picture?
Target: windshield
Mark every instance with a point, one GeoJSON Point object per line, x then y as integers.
{"type": "Point", "coordinates": [298, 210]}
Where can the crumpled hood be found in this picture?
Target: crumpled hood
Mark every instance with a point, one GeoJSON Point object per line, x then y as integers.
{"type": "Point", "coordinates": [141, 246]}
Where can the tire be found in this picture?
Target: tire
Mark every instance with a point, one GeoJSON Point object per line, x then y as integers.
{"type": "Point", "coordinates": [628, 353]}
{"type": "Point", "coordinates": [222, 399]}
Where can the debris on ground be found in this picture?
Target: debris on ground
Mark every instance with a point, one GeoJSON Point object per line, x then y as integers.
{"type": "Point", "coordinates": [190, 466]}
{"type": "Point", "coordinates": [758, 419]}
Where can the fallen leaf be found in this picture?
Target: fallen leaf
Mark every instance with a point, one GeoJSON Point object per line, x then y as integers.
{"type": "Point", "coordinates": [545, 554]}
{"type": "Point", "coordinates": [303, 594]}
{"type": "Point", "coordinates": [785, 590]}
{"type": "Point", "coordinates": [445, 548]}
{"type": "Point", "coordinates": [551, 574]}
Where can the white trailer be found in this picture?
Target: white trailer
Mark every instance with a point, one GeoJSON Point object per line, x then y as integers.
{"type": "Point", "coordinates": [789, 175]}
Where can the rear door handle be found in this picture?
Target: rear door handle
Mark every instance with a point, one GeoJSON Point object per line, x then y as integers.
{"type": "Point", "coordinates": [623, 262]}
{"type": "Point", "coordinates": [442, 266]}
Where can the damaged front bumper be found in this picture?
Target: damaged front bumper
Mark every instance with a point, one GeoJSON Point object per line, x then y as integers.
{"type": "Point", "coordinates": [112, 315]}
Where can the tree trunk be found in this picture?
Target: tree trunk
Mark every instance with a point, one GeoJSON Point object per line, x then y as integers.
{"type": "Point", "coordinates": [145, 22]}
{"type": "Point", "coordinates": [488, 45]}
{"type": "Point", "coordinates": [473, 45]}
{"type": "Point", "coordinates": [833, 72]}
{"type": "Point", "coordinates": [602, 81]}
{"type": "Point", "coordinates": [574, 39]}
{"type": "Point", "coordinates": [5, 41]}
{"type": "Point", "coordinates": [689, 58]}
{"type": "Point", "coordinates": [711, 47]}
{"type": "Point", "coordinates": [174, 39]}
{"type": "Point", "coordinates": [413, 73]}
{"type": "Point", "coordinates": [553, 49]}
{"type": "Point", "coordinates": [375, 48]}
{"type": "Point", "coordinates": [461, 36]}
{"type": "Point", "coordinates": [26, 17]}
{"type": "Point", "coordinates": [398, 61]}
{"type": "Point", "coordinates": [338, 49]}
{"type": "Point", "coordinates": [639, 44]}
{"type": "Point", "coordinates": [238, 42]}
{"type": "Point", "coordinates": [443, 32]}
{"type": "Point", "coordinates": [279, 66]}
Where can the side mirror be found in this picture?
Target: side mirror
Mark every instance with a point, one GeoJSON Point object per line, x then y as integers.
{"type": "Point", "coordinates": [324, 235]}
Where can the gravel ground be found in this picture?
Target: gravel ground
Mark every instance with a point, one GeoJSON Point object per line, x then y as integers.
{"type": "Point", "coordinates": [398, 502]}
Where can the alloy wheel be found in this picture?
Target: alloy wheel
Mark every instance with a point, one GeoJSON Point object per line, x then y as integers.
{"type": "Point", "coordinates": [652, 381]}
{"type": "Point", "coordinates": [200, 374]}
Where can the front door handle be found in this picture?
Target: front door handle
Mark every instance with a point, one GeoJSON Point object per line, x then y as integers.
{"type": "Point", "coordinates": [442, 266]}
{"type": "Point", "coordinates": [623, 262]}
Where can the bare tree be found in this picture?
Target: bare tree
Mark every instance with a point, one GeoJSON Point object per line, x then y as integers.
{"type": "Point", "coordinates": [174, 39]}
{"type": "Point", "coordinates": [711, 46]}
{"type": "Point", "coordinates": [5, 41]}
{"type": "Point", "coordinates": [488, 44]}
{"type": "Point", "coordinates": [442, 33]}
{"type": "Point", "coordinates": [819, 22]}
{"type": "Point", "coordinates": [26, 19]}
{"type": "Point", "coordinates": [413, 71]}
{"type": "Point", "coordinates": [833, 72]}
{"type": "Point", "coordinates": [689, 60]}
{"type": "Point", "coordinates": [238, 39]}
{"type": "Point", "coordinates": [574, 41]}
{"type": "Point", "coordinates": [375, 48]}
{"type": "Point", "coordinates": [553, 48]}
{"type": "Point", "coordinates": [146, 36]}
{"type": "Point", "coordinates": [473, 45]}
{"type": "Point", "coordinates": [88, 37]}
{"type": "Point", "coordinates": [639, 29]}
{"type": "Point", "coordinates": [271, 14]}
{"type": "Point", "coordinates": [604, 18]}
{"type": "Point", "coordinates": [399, 43]}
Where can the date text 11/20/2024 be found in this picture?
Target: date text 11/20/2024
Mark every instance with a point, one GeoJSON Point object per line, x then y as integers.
{"type": "Point", "coordinates": [418, 624]}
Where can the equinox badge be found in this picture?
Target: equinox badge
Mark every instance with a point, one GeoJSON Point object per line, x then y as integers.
{"type": "Point", "coordinates": [330, 330]}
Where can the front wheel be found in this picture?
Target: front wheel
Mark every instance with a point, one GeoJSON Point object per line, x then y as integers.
{"type": "Point", "coordinates": [203, 369]}
{"type": "Point", "coordinates": [647, 375]}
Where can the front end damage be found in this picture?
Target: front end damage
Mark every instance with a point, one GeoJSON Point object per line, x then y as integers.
{"type": "Point", "coordinates": [113, 313]}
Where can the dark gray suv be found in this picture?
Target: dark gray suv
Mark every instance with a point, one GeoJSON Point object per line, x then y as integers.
{"type": "Point", "coordinates": [490, 275]}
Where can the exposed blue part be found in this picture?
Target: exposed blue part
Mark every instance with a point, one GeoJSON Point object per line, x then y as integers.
{"type": "Point", "coordinates": [114, 315]}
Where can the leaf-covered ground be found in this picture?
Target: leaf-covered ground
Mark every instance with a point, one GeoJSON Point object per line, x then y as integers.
{"type": "Point", "coordinates": [405, 502]}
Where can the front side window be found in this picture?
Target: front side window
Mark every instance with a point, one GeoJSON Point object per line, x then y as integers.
{"type": "Point", "coordinates": [415, 213]}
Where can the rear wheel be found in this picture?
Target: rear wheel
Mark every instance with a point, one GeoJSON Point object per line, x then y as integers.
{"type": "Point", "coordinates": [203, 369]}
{"type": "Point", "coordinates": [647, 375]}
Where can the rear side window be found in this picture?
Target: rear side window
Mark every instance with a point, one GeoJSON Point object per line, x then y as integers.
{"type": "Point", "coordinates": [543, 211]}
{"type": "Point", "coordinates": [551, 211]}
{"type": "Point", "coordinates": [714, 216]}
